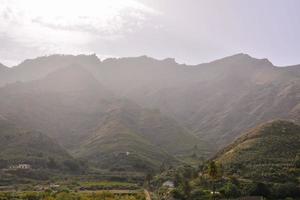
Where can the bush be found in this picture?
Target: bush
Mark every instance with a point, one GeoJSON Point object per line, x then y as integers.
{"type": "Point", "coordinates": [286, 190]}
{"type": "Point", "coordinates": [31, 196]}
{"type": "Point", "coordinates": [199, 194]}
{"type": "Point", "coordinates": [259, 189]}
{"type": "Point", "coordinates": [177, 194]}
{"type": "Point", "coordinates": [230, 191]}
{"type": "Point", "coordinates": [297, 161]}
{"type": "Point", "coordinates": [72, 165]}
{"type": "Point", "coordinates": [52, 164]}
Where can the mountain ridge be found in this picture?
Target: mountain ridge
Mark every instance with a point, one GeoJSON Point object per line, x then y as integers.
{"type": "Point", "coordinates": [70, 97]}
{"type": "Point", "coordinates": [268, 151]}
{"type": "Point", "coordinates": [73, 107]}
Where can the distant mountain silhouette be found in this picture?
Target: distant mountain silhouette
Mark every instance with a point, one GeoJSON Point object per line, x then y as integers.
{"type": "Point", "coordinates": [33, 69]}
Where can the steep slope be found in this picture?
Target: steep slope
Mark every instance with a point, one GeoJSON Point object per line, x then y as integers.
{"type": "Point", "coordinates": [71, 106]}
{"type": "Point", "coordinates": [3, 73]}
{"type": "Point", "coordinates": [267, 152]}
{"type": "Point", "coordinates": [32, 147]}
{"type": "Point", "coordinates": [65, 104]}
{"type": "Point", "coordinates": [216, 101]}
{"type": "Point", "coordinates": [117, 147]}
{"type": "Point", "coordinates": [3, 68]}
{"type": "Point", "coordinates": [131, 137]}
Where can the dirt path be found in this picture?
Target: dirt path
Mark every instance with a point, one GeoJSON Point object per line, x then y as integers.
{"type": "Point", "coordinates": [147, 194]}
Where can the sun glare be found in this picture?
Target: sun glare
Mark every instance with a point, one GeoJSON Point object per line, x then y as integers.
{"type": "Point", "coordinates": [67, 25]}
{"type": "Point", "coordinates": [58, 10]}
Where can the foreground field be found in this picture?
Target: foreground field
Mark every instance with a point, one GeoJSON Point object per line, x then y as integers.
{"type": "Point", "coordinates": [67, 195]}
{"type": "Point", "coordinates": [75, 190]}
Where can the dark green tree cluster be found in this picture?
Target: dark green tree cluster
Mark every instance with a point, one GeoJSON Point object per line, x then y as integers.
{"type": "Point", "coordinates": [211, 183]}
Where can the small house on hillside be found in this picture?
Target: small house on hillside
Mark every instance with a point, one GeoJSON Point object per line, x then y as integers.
{"type": "Point", "coordinates": [169, 184]}
{"type": "Point", "coordinates": [20, 166]}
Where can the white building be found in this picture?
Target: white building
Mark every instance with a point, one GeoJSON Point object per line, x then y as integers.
{"type": "Point", "coordinates": [169, 184]}
{"type": "Point", "coordinates": [20, 166]}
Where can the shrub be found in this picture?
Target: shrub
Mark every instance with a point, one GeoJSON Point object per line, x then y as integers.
{"type": "Point", "coordinates": [260, 189]}
{"type": "Point", "coordinates": [230, 191]}
{"type": "Point", "coordinates": [286, 190]}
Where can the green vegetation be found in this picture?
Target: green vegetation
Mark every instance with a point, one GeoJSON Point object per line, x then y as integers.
{"type": "Point", "coordinates": [108, 185]}
{"type": "Point", "coordinates": [268, 153]}
{"type": "Point", "coordinates": [135, 139]}
{"type": "Point", "coordinates": [94, 125]}
{"type": "Point", "coordinates": [67, 195]}
{"type": "Point", "coordinates": [90, 139]}
{"type": "Point", "coordinates": [264, 162]}
{"type": "Point", "coordinates": [22, 146]}
{"type": "Point", "coordinates": [214, 173]}
{"type": "Point", "coordinates": [207, 183]}
{"type": "Point", "coordinates": [119, 149]}
{"type": "Point", "coordinates": [44, 158]}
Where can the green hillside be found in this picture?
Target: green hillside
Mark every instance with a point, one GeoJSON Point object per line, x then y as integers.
{"type": "Point", "coordinates": [116, 147]}
{"type": "Point", "coordinates": [269, 152]}
{"type": "Point", "coordinates": [71, 106]}
{"type": "Point", "coordinates": [130, 137]}
{"type": "Point", "coordinates": [21, 146]}
{"type": "Point", "coordinates": [73, 99]}
{"type": "Point", "coordinates": [217, 101]}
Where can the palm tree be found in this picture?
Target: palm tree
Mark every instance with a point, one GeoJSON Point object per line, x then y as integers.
{"type": "Point", "coordinates": [214, 173]}
{"type": "Point", "coordinates": [148, 179]}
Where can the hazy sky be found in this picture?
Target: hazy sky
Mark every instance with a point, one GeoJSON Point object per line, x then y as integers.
{"type": "Point", "coordinates": [192, 31]}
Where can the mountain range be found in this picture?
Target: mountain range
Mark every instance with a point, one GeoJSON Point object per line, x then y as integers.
{"type": "Point", "coordinates": [140, 112]}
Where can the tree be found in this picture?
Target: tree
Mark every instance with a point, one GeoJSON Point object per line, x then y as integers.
{"type": "Point", "coordinates": [163, 167]}
{"type": "Point", "coordinates": [282, 191]}
{"type": "Point", "coordinates": [148, 178]}
{"type": "Point", "coordinates": [234, 180]}
{"type": "Point", "coordinates": [52, 164]}
{"type": "Point", "coordinates": [186, 188]}
{"type": "Point", "coordinates": [297, 161]}
{"type": "Point", "coordinates": [260, 189]}
{"type": "Point", "coordinates": [177, 179]}
{"type": "Point", "coordinates": [177, 194]}
{"type": "Point", "coordinates": [213, 170]}
{"type": "Point", "coordinates": [72, 165]}
{"type": "Point", "coordinates": [183, 191]}
{"type": "Point", "coordinates": [214, 173]}
{"type": "Point", "coordinates": [230, 191]}
{"type": "Point", "coordinates": [188, 172]}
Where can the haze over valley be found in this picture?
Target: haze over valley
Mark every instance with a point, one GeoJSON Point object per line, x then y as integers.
{"type": "Point", "coordinates": [190, 100]}
{"type": "Point", "coordinates": [86, 104]}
